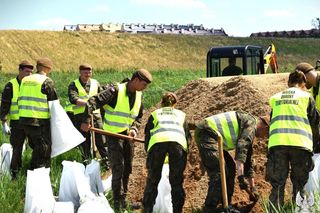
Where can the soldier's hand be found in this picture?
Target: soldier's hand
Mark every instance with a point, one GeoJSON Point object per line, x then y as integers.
{"type": "Point", "coordinates": [85, 127]}
{"type": "Point", "coordinates": [6, 129]}
{"type": "Point", "coordinates": [254, 195]}
{"type": "Point", "coordinates": [243, 183]}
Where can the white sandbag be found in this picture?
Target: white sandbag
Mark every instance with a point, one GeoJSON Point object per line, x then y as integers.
{"type": "Point", "coordinates": [93, 171]}
{"type": "Point", "coordinates": [39, 195]}
{"type": "Point", "coordinates": [107, 184]}
{"type": "Point", "coordinates": [72, 178]}
{"type": "Point", "coordinates": [5, 158]}
{"type": "Point", "coordinates": [314, 176]}
{"type": "Point", "coordinates": [163, 201]}
{"type": "Point", "coordinates": [99, 204]}
{"type": "Point", "coordinates": [64, 135]}
{"type": "Point", "coordinates": [63, 207]}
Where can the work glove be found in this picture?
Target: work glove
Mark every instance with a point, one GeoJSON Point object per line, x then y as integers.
{"type": "Point", "coordinates": [243, 183]}
{"type": "Point", "coordinates": [6, 129]}
{"type": "Point", "coordinates": [254, 195]}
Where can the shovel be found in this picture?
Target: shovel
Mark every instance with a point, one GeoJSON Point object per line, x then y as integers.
{"type": "Point", "coordinates": [93, 140]}
{"type": "Point", "coordinates": [126, 137]}
{"type": "Point", "coordinates": [222, 174]}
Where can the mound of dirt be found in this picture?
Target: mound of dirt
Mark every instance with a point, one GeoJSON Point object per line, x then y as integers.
{"type": "Point", "coordinates": [205, 97]}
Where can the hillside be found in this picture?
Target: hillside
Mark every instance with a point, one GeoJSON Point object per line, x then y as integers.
{"type": "Point", "coordinates": [127, 51]}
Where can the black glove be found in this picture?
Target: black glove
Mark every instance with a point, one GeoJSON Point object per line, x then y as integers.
{"type": "Point", "coordinates": [243, 183]}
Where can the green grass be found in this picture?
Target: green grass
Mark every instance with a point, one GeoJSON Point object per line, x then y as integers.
{"type": "Point", "coordinates": [130, 51]}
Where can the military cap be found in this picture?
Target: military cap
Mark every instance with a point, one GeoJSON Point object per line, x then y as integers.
{"type": "Point", "coordinates": [143, 74]}
{"type": "Point", "coordinates": [85, 66]}
{"type": "Point", "coordinates": [45, 62]}
{"type": "Point", "coordinates": [304, 67]}
{"type": "Point", "coordinates": [26, 63]}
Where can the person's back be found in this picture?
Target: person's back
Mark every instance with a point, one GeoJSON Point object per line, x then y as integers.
{"type": "Point", "coordinates": [35, 92]}
{"type": "Point", "coordinates": [290, 145]}
{"type": "Point", "coordinates": [166, 133]}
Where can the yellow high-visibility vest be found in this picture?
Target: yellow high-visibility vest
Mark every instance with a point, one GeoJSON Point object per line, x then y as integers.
{"type": "Point", "coordinates": [120, 118]}
{"type": "Point", "coordinates": [14, 110]}
{"type": "Point", "coordinates": [289, 123]}
{"type": "Point", "coordinates": [316, 94]}
{"type": "Point", "coordinates": [168, 126]}
{"type": "Point", "coordinates": [228, 127]}
{"type": "Point", "coordinates": [32, 103]}
{"type": "Point", "coordinates": [84, 96]}
{"type": "Point", "coordinates": [68, 107]}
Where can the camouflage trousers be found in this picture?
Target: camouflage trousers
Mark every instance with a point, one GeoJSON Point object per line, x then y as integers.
{"type": "Point", "coordinates": [177, 165]}
{"type": "Point", "coordinates": [40, 142]}
{"type": "Point", "coordinates": [121, 155]}
{"type": "Point", "coordinates": [281, 159]}
{"type": "Point", "coordinates": [17, 139]}
{"type": "Point", "coordinates": [208, 148]}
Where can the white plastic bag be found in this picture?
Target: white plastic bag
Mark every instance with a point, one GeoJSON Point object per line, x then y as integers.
{"type": "Point", "coordinates": [63, 207]}
{"type": "Point", "coordinates": [163, 201]}
{"type": "Point", "coordinates": [93, 171]}
{"type": "Point", "coordinates": [68, 190]}
{"type": "Point", "coordinates": [63, 134]}
{"type": "Point", "coordinates": [39, 196]}
{"type": "Point", "coordinates": [98, 204]}
{"type": "Point", "coordinates": [314, 176]}
{"type": "Point", "coordinates": [5, 158]}
{"type": "Point", "coordinates": [107, 184]}
{"type": "Point", "coordinates": [75, 187]}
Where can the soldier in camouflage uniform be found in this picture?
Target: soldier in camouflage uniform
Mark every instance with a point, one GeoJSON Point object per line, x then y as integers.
{"type": "Point", "coordinates": [9, 111]}
{"type": "Point", "coordinates": [35, 92]}
{"type": "Point", "coordinates": [79, 91]}
{"type": "Point", "coordinates": [166, 133]}
{"type": "Point", "coordinates": [123, 113]}
{"type": "Point", "coordinates": [238, 130]}
{"type": "Point", "coordinates": [294, 118]}
{"type": "Point", "coordinates": [313, 85]}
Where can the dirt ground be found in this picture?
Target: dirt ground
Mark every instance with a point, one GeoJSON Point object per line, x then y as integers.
{"type": "Point", "coordinates": [205, 97]}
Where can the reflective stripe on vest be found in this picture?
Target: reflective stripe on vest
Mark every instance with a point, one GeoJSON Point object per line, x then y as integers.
{"type": "Point", "coordinates": [168, 126]}
{"type": "Point", "coordinates": [32, 103]}
{"type": "Point", "coordinates": [84, 96]}
{"type": "Point", "coordinates": [121, 117]}
{"type": "Point", "coordinates": [227, 125]}
{"type": "Point", "coordinates": [14, 110]}
{"type": "Point", "coordinates": [289, 123]}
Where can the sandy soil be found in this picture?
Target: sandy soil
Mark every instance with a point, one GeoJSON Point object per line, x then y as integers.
{"type": "Point", "coordinates": [205, 97]}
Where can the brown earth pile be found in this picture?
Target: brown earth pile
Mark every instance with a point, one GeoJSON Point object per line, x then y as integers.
{"type": "Point", "coordinates": [203, 98]}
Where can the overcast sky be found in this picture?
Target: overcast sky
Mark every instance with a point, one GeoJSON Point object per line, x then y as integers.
{"type": "Point", "coordinates": [236, 17]}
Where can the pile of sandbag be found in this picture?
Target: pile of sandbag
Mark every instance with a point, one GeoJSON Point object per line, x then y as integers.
{"type": "Point", "coordinates": [83, 187]}
{"type": "Point", "coordinates": [81, 190]}
{"type": "Point", "coordinates": [39, 195]}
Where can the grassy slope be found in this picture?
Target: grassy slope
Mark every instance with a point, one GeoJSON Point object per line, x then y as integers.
{"type": "Point", "coordinates": [129, 51]}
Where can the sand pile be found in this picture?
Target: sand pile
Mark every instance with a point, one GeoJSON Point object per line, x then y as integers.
{"type": "Point", "coordinates": [205, 97]}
